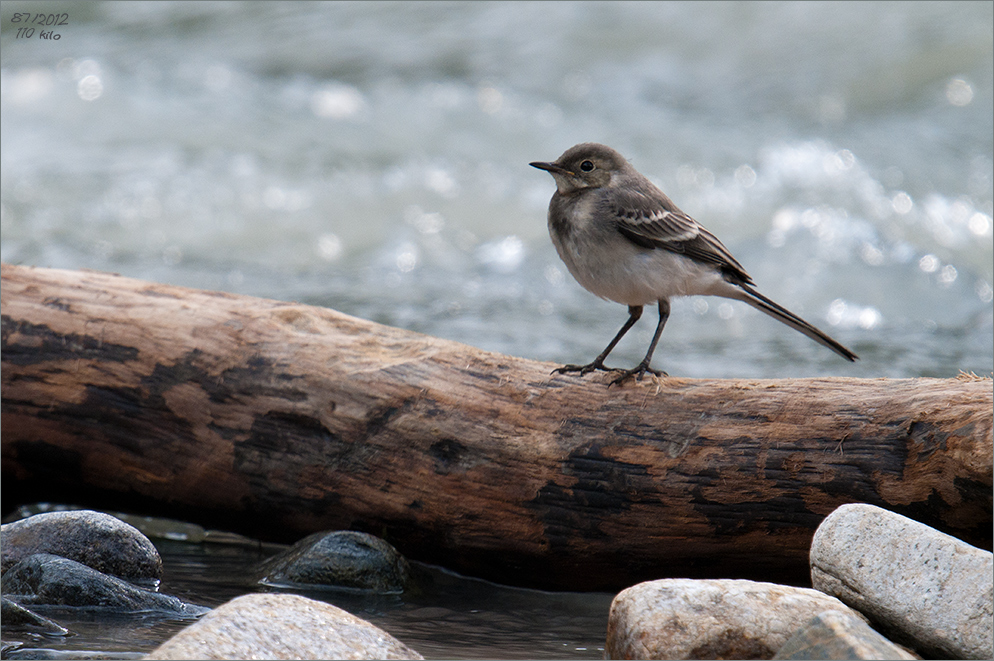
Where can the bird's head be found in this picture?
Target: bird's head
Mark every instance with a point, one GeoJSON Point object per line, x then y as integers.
{"type": "Point", "coordinates": [587, 165]}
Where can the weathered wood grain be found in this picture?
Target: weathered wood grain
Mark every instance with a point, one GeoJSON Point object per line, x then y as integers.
{"type": "Point", "coordinates": [278, 419]}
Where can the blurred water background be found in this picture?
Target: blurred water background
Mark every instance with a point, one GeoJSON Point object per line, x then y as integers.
{"type": "Point", "coordinates": [372, 157]}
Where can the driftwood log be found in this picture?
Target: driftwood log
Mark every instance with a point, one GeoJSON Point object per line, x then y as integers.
{"type": "Point", "coordinates": [278, 419]}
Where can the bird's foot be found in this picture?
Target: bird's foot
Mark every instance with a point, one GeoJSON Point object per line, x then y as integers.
{"type": "Point", "coordinates": [583, 369]}
{"type": "Point", "coordinates": [638, 372]}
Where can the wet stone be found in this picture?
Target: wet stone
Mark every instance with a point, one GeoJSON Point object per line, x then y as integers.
{"type": "Point", "coordinates": [7, 649]}
{"type": "Point", "coordinates": [48, 580]}
{"type": "Point", "coordinates": [97, 540]}
{"type": "Point", "coordinates": [344, 559]}
{"type": "Point", "coordinates": [281, 626]}
{"type": "Point", "coordinates": [18, 618]}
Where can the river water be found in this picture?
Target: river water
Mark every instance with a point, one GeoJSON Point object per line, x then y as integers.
{"type": "Point", "coordinates": [373, 157]}
{"type": "Point", "coordinates": [441, 615]}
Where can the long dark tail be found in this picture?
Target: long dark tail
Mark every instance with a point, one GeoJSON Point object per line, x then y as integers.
{"type": "Point", "coordinates": [780, 313]}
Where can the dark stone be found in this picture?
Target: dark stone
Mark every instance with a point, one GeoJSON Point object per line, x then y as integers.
{"type": "Point", "coordinates": [94, 539]}
{"type": "Point", "coordinates": [342, 559]}
{"type": "Point", "coordinates": [48, 580]}
{"type": "Point", "coordinates": [7, 649]}
{"type": "Point", "coordinates": [18, 618]}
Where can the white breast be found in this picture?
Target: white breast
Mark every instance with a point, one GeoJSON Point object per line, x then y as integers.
{"type": "Point", "coordinates": [610, 266]}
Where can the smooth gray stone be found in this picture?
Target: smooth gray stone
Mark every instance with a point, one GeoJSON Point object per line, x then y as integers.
{"type": "Point", "coordinates": [341, 559]}
{"type": "Point", "coordinates": [925, 589]}
{"type": "Point", "coordinates": [97, 540]}
{"type": "Point", "coordinates": [18, 618]}
{"type": "Point", "coordinates": [281, 626]}
{"type": "Point", "coordinates": [836, 636]}
{"type": "Point", "coordinates": [49, 580]}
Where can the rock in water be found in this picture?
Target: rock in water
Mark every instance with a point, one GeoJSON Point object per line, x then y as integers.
{"type": "Point", "coordinates": [19, 618]}
{"type": "Point", "coordinates": [281, 626]}
{"type": "Point", "coordinates": [97, 540]}
{"type": "Point", "coordinates": [44, 579]}
{"type": "Point", "coordinates": [342, 559]}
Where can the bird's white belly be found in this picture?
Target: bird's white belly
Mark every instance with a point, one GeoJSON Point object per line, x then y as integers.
{"type": "Point", "coordinates": [637, 276]}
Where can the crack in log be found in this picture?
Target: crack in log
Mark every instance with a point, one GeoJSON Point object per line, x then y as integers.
{"type": "Point", "coordinates": [928, 437]}
{"type": "Point", "coordinates": [786, 511]}
{"type": "Point", "coordinates": [57, 303]}
{"type": "Point", "coordinates": [379, 417]}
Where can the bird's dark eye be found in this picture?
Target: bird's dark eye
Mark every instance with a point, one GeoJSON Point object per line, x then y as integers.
{"type": "Point", "coordinates": [587, 166]}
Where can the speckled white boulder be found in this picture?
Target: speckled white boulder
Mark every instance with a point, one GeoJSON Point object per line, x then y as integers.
{"type": "Point", "coordinates": [710, 619]}
{"type": "Point", "coordinates": [930, 591]}
{"type": "Point", "coordinates": [281, 626]}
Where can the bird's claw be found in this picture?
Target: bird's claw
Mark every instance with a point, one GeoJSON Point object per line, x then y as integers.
{"type": "Point", "coordinates": [583, 369]}
{"type": "Point", "coordinates": [638, 372]}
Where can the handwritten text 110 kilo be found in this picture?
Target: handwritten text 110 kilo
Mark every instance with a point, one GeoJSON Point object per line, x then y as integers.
{"type": "Point", "coordinates": [46, 20]}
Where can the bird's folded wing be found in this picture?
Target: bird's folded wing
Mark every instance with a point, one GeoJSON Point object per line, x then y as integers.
{"type": "Point", "coordinates": [655, 222]}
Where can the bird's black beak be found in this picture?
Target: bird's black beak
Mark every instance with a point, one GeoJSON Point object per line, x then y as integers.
{"type": "Point", "coordinates": [550, 167]}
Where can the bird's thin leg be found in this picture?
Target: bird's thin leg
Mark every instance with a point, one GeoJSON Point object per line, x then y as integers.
{"type": "Point", "coordinates": [639, 370]}
{"type": "Point", "coordinates": [634, 312]}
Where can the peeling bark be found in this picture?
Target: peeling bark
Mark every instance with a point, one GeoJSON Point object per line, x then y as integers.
{"type": "Point", "coordinates": [278, 419]}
